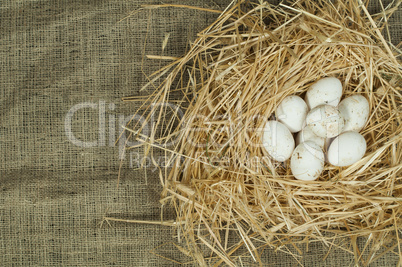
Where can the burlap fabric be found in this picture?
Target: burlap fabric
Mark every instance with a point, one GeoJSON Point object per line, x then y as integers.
{"type": "Point", "coordinates": [71, 62]}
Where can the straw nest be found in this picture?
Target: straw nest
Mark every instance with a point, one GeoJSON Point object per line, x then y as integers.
{"type": "Point", "coordinates": [229, 195]}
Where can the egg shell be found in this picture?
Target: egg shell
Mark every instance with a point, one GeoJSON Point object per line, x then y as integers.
{"type": "Point", "coordinates": [307, 161]}
{"type": "Point", "coordinates": [307, 134]}
{"type": "Point", "coordinates": [326, 91]}
{"type": "Point", "coordinates": [346, 149]}
{"type": "Point", "coordinates": [292, 112]}
{"type": "Point", "coordinates": [355, 111]}
{"type": "Point", "coordinates": [278, 141]}
{"type": "Point", "coordinates": [325, 121]}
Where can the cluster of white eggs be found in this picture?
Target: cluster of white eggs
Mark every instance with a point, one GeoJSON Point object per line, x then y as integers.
{"type": "Point", "coordinates": [325, 129]}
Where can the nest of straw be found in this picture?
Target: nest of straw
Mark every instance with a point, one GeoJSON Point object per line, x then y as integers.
{"type": "Point", "coordinates": [219, 178]}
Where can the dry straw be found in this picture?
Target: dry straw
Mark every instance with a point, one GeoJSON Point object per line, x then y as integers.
{"type": "Point", "coordinates": [230, 198]}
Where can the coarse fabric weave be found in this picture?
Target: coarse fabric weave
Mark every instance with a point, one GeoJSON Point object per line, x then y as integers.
{"type": "Point", "coordinates": [64, 67]}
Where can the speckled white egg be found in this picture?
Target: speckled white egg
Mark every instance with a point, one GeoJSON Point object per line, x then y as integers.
{"type": "Point", "coordinates": [325, 121]}
{"type": "Point", "coordinates": [307, 134]}
{"type": "Point", "coordinates": [346, 149]}
{"type": "Point", "coordinates": [292, 112]}
{"type": "Point", "coordinates": [326, 91]}
{"type": "Point", "coordinates": [278, 141]}
{"type": "Point", "coordinates": [307, 161]}
{"type": "Point", "coordinates": [355, 110]}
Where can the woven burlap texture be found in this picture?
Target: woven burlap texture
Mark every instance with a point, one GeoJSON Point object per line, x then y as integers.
{"type": "Point", "coordinates": [75, 60]}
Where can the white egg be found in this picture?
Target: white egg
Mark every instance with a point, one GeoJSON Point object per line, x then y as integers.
{"type": "Point", "coordinates": [326, 91]}
{"type": "Point", "coordinates": [307, 162]}
{"type": "Point", "coordinates": [346, 149]}
{"type": "Point", "coordinates": [278, 141]}
{"type": "Point", "coordinates": [325, 121]}
{"type": "Point", "coordinates": [355, 110]}
{"type": "Point", "coordinates": [292, 112]}
{"type": "Point", "coordinates": [307, 134]}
